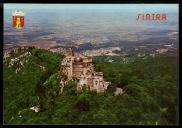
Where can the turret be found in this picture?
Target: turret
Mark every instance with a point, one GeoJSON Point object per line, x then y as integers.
{"type": "Point", "coordinates": [70, 52]}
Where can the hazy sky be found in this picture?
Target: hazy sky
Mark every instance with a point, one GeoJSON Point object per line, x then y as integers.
{"type": "Point", "coordinates": [139, 7]}
{"type": "Point", "coordinates": [82, 17]}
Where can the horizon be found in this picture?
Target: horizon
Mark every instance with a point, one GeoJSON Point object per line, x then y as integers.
{"type": "Point", "coordinates": [135, 7]}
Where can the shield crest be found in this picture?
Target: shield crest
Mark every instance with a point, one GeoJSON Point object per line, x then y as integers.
{"type": "Point", "coordinates": [18, 19]}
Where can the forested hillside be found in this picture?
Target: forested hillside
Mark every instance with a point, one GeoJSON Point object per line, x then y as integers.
{"type": "Point", "coordinates": [150, 86]}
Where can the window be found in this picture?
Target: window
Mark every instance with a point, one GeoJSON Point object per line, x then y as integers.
{"type": "Point", "coordinates": [96, 83]}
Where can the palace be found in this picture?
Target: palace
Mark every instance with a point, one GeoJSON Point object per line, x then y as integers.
{"type": "Point", "coordinates": [80, 68]}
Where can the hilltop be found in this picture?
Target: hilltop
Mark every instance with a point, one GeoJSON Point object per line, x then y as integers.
{"type": "Point", "coordinates": [32, 93]}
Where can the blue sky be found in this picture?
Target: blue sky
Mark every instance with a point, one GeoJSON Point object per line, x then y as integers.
{"type": "Point", "coordinates": [139, 7]}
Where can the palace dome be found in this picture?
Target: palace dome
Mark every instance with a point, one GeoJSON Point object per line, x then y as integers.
{"type": "Point", "coordinates": [78, 59]}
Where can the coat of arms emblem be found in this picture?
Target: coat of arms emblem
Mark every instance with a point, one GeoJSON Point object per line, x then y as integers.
{"type": "Point", "coordinates": [18, 19]}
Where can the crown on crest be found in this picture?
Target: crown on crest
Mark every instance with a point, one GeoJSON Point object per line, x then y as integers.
{"type": "Point", "coordinates": [18, 13]}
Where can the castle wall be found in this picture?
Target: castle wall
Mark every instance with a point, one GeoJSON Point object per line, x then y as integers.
{"type": "Point", "coordinates": [90, 82]}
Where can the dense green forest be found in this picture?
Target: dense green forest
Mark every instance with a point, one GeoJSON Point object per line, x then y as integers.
{"type": "Point", "coordinates": [150, 84]}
